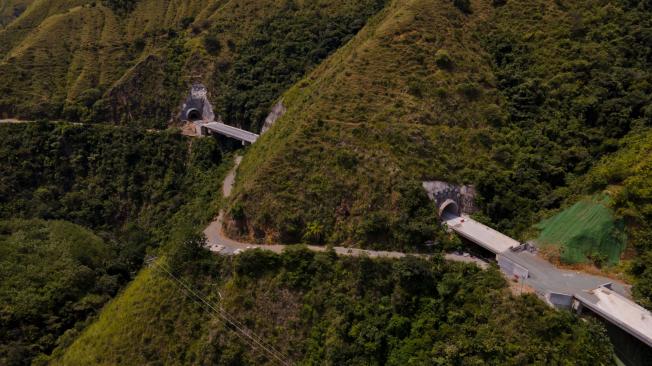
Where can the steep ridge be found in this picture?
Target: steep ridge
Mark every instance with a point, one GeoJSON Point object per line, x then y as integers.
{"type": "Point", "coordinates": [517, 99]}
{"type": "Point", "coordinates": [94, 61]}
{"type": "Point", "coordinates": [405, 100]}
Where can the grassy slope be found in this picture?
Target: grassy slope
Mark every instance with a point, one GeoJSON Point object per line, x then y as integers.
{"type": "Point", "coordinates": [317, 309]}
{"type": "Point", "coordinates": [151, 320]}
{"type": "Point", "coordinates": [588, 231]}
{"type": "Point", "coordinates": [79, 60]}
{"type": "Point", "coordinates": [11, 9]}
{"type": "Point", "coordinates": [64, 48]}
{"type": "Point", "coordinates": [548, 90]}
{"type": "Point", "coordinates": [626, 177]}
{"type": "Point", "coordinates": [376, 113]}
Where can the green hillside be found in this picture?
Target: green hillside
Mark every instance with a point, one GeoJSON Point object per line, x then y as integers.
{"type": "Point", "coordinates": [102, 177]}
{"type": "Point", "coordinates": [626, 177]}
{"type": "Point", "coordinates": [54, 274]}
{"type": "Point", "coordinates": [320, 309]}
{"type": "Point", "coordinates": [11, 9]}
{"type": "Point", "coordinates": [136, 190]}
{"type": "Point", "coordinates": [132, 62]}
{"type": "Point", "coordinates": [403, 101]}
{"type": "Point", "coordinates": [538, 104]}
{"type": "Point", "coordinates": [515, 98]}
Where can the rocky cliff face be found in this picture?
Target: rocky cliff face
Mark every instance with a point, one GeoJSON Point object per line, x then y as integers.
{"type": "Point", "coordinates": [277, 111]}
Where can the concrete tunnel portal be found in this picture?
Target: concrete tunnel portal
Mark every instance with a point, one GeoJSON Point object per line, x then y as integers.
{"type": "Point", "coordinates": [193, 114]}
{"type": "Point", "coordinates": [449, 208]}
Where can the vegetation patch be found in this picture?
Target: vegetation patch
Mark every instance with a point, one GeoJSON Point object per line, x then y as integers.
{"type": "Point", "coordinates": [626, 176]}
{"type": "Point", "coordinates": [316, 308]}
{"type": "Point", "coordinates": [364, 129]}
{"type": "Point", "coordinates": [136, 190]}
{"type": "Point", "coordinates": [587, 232]}
{"type": "Point", "coordinates": [571, 93]}
{"type": "Point", "coordinates": [54, 274]}
{"type": "Point", "coordinates": [281, 50]}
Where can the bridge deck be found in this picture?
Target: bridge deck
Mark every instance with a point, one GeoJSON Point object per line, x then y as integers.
{"type": "Point", "coordinates": [480, 234]}
{"type": "Point", "coordinates": [231, 131]}
{"type": "Point", "coordinates": [620, 311]}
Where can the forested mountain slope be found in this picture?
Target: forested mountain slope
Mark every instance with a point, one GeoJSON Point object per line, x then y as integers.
{"type": "Point", "coordinates": [54, 274]}
{"type": "Point", "coordinates": [131, 62]}
{"type": "Point", "coordinates": [517, 98]}
{"type": "Point", "coordinates": [320, 309]}
{"type": "Point", "coordinates": [407, 99]}
{"type": "Point", "coordinates": [626, 176]}
{"type": "Point", "coordinates": [538, 103]}
{"type": "Point", "coordinates": [126, 191]}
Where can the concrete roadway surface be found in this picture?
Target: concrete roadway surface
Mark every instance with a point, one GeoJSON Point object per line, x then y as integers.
{"type": "Point", "coordinates": [480, 234]}
{"type": "Point", "coordinates": [231, 131]}
{"type": "Point", "coordinates": [545, 277]}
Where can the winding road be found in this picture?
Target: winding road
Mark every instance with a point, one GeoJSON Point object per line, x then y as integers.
{"type": "Point", "coordinates": [217, 241]}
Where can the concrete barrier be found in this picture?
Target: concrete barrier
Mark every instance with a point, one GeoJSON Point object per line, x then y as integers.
{"type": "Point", "coordinates": [559, 300]}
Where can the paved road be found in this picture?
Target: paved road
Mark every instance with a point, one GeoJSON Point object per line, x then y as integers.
{"type": "Point", "coordinates": [545, 277]}
{"type": "Point", "coordinates": [217, 240]}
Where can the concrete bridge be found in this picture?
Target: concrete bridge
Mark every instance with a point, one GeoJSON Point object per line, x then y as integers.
{"type": "Point", "coordinates": [204, 129]}
{"type": "Point", "coordinates": [629, 325]}
{"type": "Point", "coordinates": [198, 110]}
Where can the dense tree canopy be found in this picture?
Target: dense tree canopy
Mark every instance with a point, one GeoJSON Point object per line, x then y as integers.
{"type": "Point", "coordinates": [316, 308]}
{"type": "Point", "coordinates": [134, 189]}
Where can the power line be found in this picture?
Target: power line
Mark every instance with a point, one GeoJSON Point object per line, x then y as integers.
{"type": "Point", "coordinates": [253, 339]}
{"type": "Point", "coordinates": [241, 331]}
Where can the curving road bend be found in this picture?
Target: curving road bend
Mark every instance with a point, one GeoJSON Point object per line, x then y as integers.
{"type": "Point", "coordinates": [217, 241]}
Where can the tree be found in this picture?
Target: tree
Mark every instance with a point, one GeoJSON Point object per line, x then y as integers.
{"type": "Point", "coordinates": [212, 44]}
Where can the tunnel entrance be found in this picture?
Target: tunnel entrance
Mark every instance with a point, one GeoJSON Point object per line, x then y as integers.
{"type": "Point", "coordinates": [193, 115]}
{"type": "Point", "coordinates": [449, 209]}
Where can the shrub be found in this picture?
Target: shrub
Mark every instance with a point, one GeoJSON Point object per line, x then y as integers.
{"type": "Point", "coordinates": [186, 22]}
{"type": "Point", "coordinates": [494, 115]}
{"type": "Point", "coordinates": [443, 59]}
{"type": "Point", "coordinates": [255, 263]}
{"type": "Point", "coordinates": [416, 87]}
{"type": "Point", "coordinates": [314, 233]}
{"type": "Point", "coordinates": [470, 90]}
{"type": "Point", "coordinates": [212, 45]}
{"type": "Point", "coordinates": [120, 6]}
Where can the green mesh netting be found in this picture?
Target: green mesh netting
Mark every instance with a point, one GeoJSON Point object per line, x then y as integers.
{"type": "Point", "coordinates": [584, 232]}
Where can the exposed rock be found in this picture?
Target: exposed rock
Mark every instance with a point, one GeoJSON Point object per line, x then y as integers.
{"type": "Point", "coordinates": [277, 111]}
{"type": "Point", "coordinates": [197, 107]}
{"type": "Point", "coordinates": [463, 195]}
